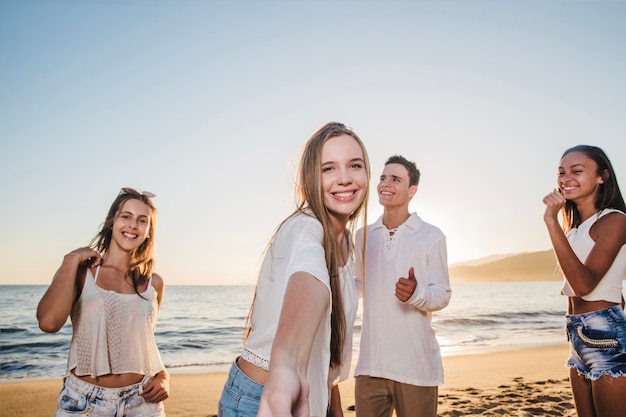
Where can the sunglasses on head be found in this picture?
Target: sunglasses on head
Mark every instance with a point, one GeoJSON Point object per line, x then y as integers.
{"type": "Point", "coordinates": [128, 190]}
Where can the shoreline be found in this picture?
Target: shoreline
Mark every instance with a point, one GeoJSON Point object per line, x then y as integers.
{"type": "Point", "coordinates": [533, 378]}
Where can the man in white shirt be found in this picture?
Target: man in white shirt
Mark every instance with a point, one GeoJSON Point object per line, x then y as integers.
{"type": "Point", "coordinates": [404, 280]}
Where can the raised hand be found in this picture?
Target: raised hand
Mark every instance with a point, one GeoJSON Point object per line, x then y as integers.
{"type": "Point", "coordinates": [405, 287]}
{"type": "Point", "coordinates": [86, 254]}
{"type": "Point", "coordinates": [554, 203]}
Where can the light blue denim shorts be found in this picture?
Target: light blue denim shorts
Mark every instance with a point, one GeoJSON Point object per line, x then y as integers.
{"type": "Point", "coordinates": [241, 395]}
{"type": "Point", "coordinates": [598, 343]}
{"type": "Point", "coordinates": [78, 397]}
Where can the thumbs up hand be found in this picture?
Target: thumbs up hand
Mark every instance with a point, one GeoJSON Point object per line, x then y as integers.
{"type": "Point", "coordinates": [405, 287]}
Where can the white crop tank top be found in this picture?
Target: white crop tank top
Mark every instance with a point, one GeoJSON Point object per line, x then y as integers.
{"type": "Point", "coordinates": [113, 333]}
{"type": "Point", "coordinates": [610, 286]}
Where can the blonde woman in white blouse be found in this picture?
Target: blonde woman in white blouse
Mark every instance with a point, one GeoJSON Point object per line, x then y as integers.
{"type": "Point", "coordinates": [298, 343]}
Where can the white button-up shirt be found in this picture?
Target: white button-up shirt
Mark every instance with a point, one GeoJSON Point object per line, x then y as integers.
{"type": "Point", "coordinates": [397, 339]}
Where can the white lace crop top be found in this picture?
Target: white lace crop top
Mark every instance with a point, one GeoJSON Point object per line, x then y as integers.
{"type": "Point", "coordinates": [610, 286]}
{"type": "Point", "coordinates": [113, 333]}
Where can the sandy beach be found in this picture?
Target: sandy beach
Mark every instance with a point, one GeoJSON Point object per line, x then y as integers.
{"type": "Point", "coordinates": [524, 382]}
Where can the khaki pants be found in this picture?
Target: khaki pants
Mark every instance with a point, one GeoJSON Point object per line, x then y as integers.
{"type": "Point", "coordinates": [378, 397]}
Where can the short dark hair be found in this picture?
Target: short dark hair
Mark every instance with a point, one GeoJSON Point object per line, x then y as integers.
{"type": "Point", "coordinates": [414, 173]}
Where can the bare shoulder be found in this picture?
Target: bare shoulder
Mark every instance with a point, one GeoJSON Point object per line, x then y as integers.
{"type": "Point", "coordinates": [612, 224]}
{"type": "Point", "coordinates": [157, 282]}
{"type": "Point", "coordinates": [613, 219]}
{"type": "Point", "coordinates": [159, 287]}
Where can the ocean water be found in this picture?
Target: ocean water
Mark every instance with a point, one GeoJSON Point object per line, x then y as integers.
{"type": "Point", "coordinates": [200, 328]}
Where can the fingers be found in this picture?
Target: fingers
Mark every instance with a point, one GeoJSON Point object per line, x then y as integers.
{"type": "Point", "coordinates": [155, 392]}
{"type": "Point", "coordinates": [95, 260]}
{"type": "Point", "coordinates": [88, 255]}
{"type": "Point", "coordinates": [554, 202]}
{"type": "Point", "coordinates": [405, 287]}
{"type": "Point", "coordinates": [286, 394]}
{"type": "Point", "coordinates": [412, 274]}
{"type": "Point", "coordinates": [554, 198]}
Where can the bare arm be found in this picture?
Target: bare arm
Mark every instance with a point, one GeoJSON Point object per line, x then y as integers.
{"type": "Point", "coordinates": [159, 287]}
{"type": "Point", "coordinates": [609, 234]}
{"type": "Point", "coordinates": [335, 410]}
{"type": "Point", "coordinates": [56, 304]}
{"type": "Point", "coordinates": [286, 391]}
{"type": "Point", "coordinates": [158, 389]}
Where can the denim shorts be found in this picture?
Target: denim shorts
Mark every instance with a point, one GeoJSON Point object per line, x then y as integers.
{"type": "Point", "coordinates": [598, 343]}
{"type": "Point", "coordinates": [241, 395]}
{"type": "Point", "coordinates": [78, 397]}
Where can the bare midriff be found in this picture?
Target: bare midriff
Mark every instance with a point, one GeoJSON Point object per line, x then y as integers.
{"type": "Point", "coordinates": [579, 306]}
{"type": "Point", "coordinates": [252, 371]}
{"type": "Point", "coordinates": [112, 380]}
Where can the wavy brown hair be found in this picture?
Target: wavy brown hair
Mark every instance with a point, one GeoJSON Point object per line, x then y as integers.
{"type": "Point", "coordinates": [142, 261]}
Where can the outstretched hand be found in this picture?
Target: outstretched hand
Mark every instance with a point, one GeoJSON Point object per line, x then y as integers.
{"type": "Point", "coordinates": [405, 287]}
{"type": "Point", "coordinates": [285, 394]}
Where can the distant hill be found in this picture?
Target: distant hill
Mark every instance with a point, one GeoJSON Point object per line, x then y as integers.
{"type": "Point", "coordinates": [486, 259]}
{"type": "Point", "coordinates": [529, 266]}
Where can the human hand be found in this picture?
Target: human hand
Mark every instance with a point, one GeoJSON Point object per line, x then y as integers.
{"type": "Point", "coordinates": [158, 389]}
{"type": "Point", "coordinates": [86, 254]}
{"type": "Point", "coordinates": [554, 203]}
{"type": "Point", "coordinates": [405, 287]}
{"type": "Point", "coordinates": [334, 409]}
{"type": "Point", "coordinates": [285, 394]}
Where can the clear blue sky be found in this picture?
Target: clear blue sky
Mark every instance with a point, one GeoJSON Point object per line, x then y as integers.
{"type": "Point", "coordinates": [206, 104]}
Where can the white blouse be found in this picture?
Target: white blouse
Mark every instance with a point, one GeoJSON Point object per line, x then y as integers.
{"type": "Point", "coordinates": [297, 247]}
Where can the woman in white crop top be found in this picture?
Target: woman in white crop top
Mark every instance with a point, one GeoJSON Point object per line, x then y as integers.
{"type": "Point", "coordinates": [113, 297]}
{"type": "Point", "coordinates": [298, 342]}
{"type": "Point", "coordinates": [591, 252]}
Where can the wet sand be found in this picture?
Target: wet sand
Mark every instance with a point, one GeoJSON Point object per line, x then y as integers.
{"type": "Point", "coordinates": [524, 382]}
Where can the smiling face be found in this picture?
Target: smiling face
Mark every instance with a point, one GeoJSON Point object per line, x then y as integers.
{"type": "Point", "coordinates": [131, 225]}
{"type": "Point", "coordinates": [344, 177]}
{"type": "Point", "coordinates": [578, 177]}
{"type": "Point", "coordinates": [394, 189]}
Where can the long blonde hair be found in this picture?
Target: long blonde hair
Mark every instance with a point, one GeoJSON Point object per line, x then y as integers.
{"type": "Point", "coordinates": [310, 200]}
